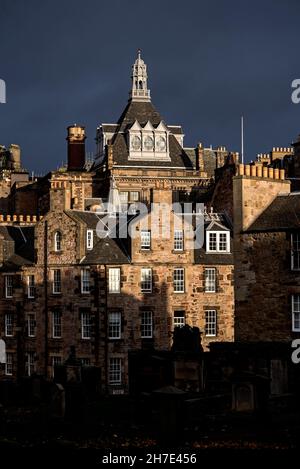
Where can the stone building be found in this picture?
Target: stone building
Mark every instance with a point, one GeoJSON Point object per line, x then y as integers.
{"type": "Point", "coordinates": [67, 282]}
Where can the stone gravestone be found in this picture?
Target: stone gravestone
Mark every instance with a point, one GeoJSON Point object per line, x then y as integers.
{"type": "Point", "coordinates": [2, 351]}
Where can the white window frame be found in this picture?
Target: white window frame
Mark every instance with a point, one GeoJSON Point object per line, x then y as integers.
{"type": "Point", "coordinates": [210, 280]}
{"type": "Point", "coordinates": [114, 280]}
{"type": "Point", "coordinates": [132, 198]}
{"type": "Point", "coordinates": [57, 241]}
{"type": "Point", "coordinates": [295, 253]}
{"type": "Point", "coordinates": [89, 239]}
{"type": "Point", "coordinates": [210, 323]}
{"type": "Point", "coordinates": [218, 234]}
{"type": "Point", "coordinates": [179, 283]}
{"type": "Point", "coordinates": [178, 321]}
{"type": "Point", "coordinates": [146, 324]}
{"type": "Point", "coordinates": [146, 280]}
{"type": "Point", "coordinates": [114, 325]}
{"type": "Point", "coordinates": [178, 240]}
{"type": "Point", "coordinates": [9, 367]}
{"type": "Point", "coordinates": [31, 325]}
{"type": "Point", "coordinates": [145, 240]}
{"type": "Point", "coordinates": [85, 281]}
{"type": "Point", "coordinates": [30, 286]}
{"type": "Point", "coordinates": [295, 311]}
{"type": "Point", "coordinates": [9, 288]}
{"type": "Point", "coordinates": [86, 325]}
{"type": "Point", "coordinates": [56, 360]}
{"type": "Point", "coordinates": [56, 325]}
{"type": "Point", "coordinates": [56, 284]}
{"type": "Point", "coordinates": [30, 363]}
{"type": "Point", "coordinates": [9, 324]}
{"type": "Point", "coordinates": [85, 362]}
{"type": "Point", "coordinates": [115, 370]}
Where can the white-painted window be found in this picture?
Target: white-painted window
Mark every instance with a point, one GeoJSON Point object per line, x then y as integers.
{"type": "Point", "coordinates": [115, 371]}
{"type": "Point", "coordinates": [86, 325]}
{"type": "Point", "coordinates": [31, 324]}
{"type": "Point", "coordinates": [9, 325]}
{"type": "Point", "coordinates": [145, 240]}
{"type": "Point", "coordinates": [56, 286]}
{"type": "Point", "coordinates": [178, 280]}
{"type": "Point", "coordinates": [146, 280]}
{"type": "Point", "coordinates": [218, 241]}
{"type": "Point", "coordinates": [179, 318]}
{"type": "Point", "coordinates": [178, 240]}
{"type": "Point", "coordinates": [296, 313]}
{"type": "Point", "coordinates": [57, 241]}
{"type": "Point", "coordinates": [56, 325]}
{"type": "Point", "coordinates": [210, 279]}
{"type": "Point", "coordinates": [114, 325]}
{"type": "Point", "coordinates": [211, 322]}
{"type": "Point", "coordinates": [85, 281]}
{"type": "Point", "coordinates": [295, 251]}
{"type": "Point", "coordinates": [89, 239]}
{"type": "Point", "coordinates": [114, 280]}
{"type": "Point", "coordinates": [30, 286]}
{"type": "Point", "coordinates": [29, 363]}
{"type": "Point", "coordinates": [9, 364]}
{"type": "Point", "coordinates": [8, 286]}
{"type": "Point", "coordinates": [56, 361]}
{"type": "Point", "coordinates": [146, 324]}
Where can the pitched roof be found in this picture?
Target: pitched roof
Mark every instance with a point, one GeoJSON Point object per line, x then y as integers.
{"type": "Point", "coordinates": [282, 214]}
{"type": "Point", "coordinates": [21, 250]}
{"type": "Point", "coordinates": [140, 111]}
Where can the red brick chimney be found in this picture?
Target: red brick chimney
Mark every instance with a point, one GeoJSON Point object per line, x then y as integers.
{"type": "Point", "coordinates": [76, 147]}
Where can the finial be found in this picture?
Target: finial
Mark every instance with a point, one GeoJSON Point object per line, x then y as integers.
{"type": "Point", "coordinates": [139, 51]}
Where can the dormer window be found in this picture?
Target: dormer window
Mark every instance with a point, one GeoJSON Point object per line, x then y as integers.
{"type": "Point", "coordinates": [57, 241]}
{"type": "Point", "coordinates": [89, 239]}
{"type": "Point", "coordinates": [218, 241]}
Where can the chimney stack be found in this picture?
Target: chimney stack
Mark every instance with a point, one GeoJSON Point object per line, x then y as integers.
{"type": "Point", "coordinates": [76, 147]}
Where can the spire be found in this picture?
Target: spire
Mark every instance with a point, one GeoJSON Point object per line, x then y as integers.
{"type": "Point", "coordinates": [139, 91]}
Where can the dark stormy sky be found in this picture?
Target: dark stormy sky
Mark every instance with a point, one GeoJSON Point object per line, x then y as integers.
{"type": "Point", "coordinates": [208, 61]}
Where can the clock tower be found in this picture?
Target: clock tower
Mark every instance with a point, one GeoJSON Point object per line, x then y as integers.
{"type": "Point", "coordinates": [139, 91]}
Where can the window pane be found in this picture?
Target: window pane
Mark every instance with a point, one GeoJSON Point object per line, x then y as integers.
{"type": "Point", "coordinates": [31, 325]}
{"type": "Point", "coordinates": [178, 280]}
{"type": "Point", "coordinates": [212, 241]}
{"type": "Point", "coordinates": [295, 252]}
{"type": "Point", "coordinates": [8, 286]}
{"type": "Point", "coordinates": [114, 325]}
{"type": "Point", "coordinates": [145, 240]}
{"type": "Point", "coordinates": [146, 324]}
{"type": "Point", "coordinates": [146, 280]}
{"type": "Point", "coordinates": [89, 239]}
{"type": "Point", "coordinates": [179, 318]}
{"type": "Point", "coordinates": [115, 371]}
{"type": "Point", "coordinates": [178, 240]}
{"type": "Point", "coordinates": [30, 363]}
{"type": "Point", "coordinates": [210, 280]}
{"type": "Point", "coordinates": [210, 323]}
{"type": "Point", "coordinates": [57, 281]}
{"type": "Point", "coordinates": [31, 287]}
{"type": "Point", "coordinates": [9, 325]}
{"type": "Point", "coordinates": [222, 241]}
{"type": "Point", "coordinates": [9, 364]}
{"type": "Point", "coordinates": [85, 281]}
{"type": "Point", "coordinates": [134, 196]}
{"type": "Point", "coordinates": [114, 280]}
{"type": "Point", "coordinates": [56, 324]}
{"type": "Point", "coordinates": [86, 325]}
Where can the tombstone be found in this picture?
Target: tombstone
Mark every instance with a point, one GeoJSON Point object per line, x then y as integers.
{"type": "Point", "coordinates": [243, 397]}
{"type": "Point", "coordinates": [2, 351]}
{"type": "Point", "coordinates": [250, 392]}
{"type": "Point", "coordinates": [57, 401]}
{"type": "Point", "coordinates": [171, 414]}
{"type": "Point", "coordinates": [279, 377]}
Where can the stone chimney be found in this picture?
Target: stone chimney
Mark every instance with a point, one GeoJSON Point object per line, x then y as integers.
{"type": "Point", "coordinates": [76, 147]}
{"type": "Point", "coordinates": [15, 156]}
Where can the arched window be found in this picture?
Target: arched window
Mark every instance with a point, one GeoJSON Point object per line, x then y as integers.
{"type": "Point", "coordinates": [140, 85]}
{"type": "Point", "coordinates": [57, 241]}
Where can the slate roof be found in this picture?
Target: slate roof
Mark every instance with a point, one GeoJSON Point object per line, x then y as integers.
{"type": "Point", "coordinates": [144, 112]}
{"type": "Point", "coordinates": [282, 214]}
{"type": "Point", "coordinates": [105, 250]}
{"type": "Point", "coordinates": [18, 246]}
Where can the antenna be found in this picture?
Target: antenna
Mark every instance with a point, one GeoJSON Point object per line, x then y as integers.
{"type": "Point", "coordinates": [242, 138]}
